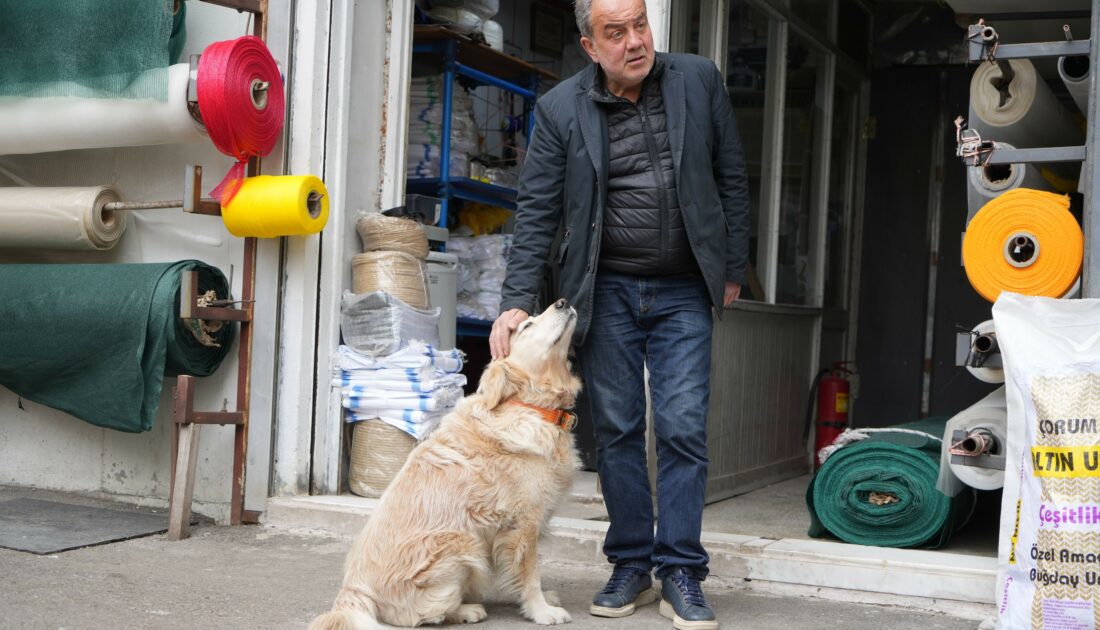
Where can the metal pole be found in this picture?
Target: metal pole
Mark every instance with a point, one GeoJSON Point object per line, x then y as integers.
{"type": "Point", "coordinates": [445, 142]}
{"type": "Point", "coordinates": [1090, 281]}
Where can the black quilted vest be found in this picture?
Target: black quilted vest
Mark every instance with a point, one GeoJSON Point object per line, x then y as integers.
{"type": "Point", "coordinates": [643, 231]}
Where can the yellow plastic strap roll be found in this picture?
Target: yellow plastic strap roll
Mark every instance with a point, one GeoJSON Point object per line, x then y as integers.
{"type": "Point", "coordinates": [268, 206]}
{"type": "Point", "coordinates": [1024, 241]}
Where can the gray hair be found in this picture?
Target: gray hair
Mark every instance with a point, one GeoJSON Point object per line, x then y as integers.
{"type": "Point", "coordinates": [583, 11]}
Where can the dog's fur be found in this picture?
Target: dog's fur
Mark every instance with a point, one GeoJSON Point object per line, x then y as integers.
{"type": "Point", "coordinates": [472, 499]}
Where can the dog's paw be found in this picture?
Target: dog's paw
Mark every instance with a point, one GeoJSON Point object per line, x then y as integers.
{"type": "Point", "coordinates": [551, 616]}
{"type": "Point", "coordinates": [552, 598]}
{"type": "Point", "coordinates": [467, 613]}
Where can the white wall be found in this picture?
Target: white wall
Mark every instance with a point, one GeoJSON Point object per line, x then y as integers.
{"type": "Point", "coordinates": [41, 447]}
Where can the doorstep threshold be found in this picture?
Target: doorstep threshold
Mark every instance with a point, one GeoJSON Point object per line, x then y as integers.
{"type": "Point", "coordinates": [936, 575]}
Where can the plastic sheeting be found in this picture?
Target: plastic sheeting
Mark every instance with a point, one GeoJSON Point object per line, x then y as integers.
{"type": "Point", "coordinates": [59, 218]}
{"type": "Point", "coordinates": [39, 125]}
{"type": "Point", "coordinates": [988, 414]}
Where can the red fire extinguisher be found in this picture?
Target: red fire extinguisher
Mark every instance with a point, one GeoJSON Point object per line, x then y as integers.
{"type": "Point", "coordinates": [832, 390]}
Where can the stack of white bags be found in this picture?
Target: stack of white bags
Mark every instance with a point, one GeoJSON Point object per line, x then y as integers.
{"type": "Point", "coordinates": [426, 129]}
{"type": "Point", "coordinates": [482, 262]}
{"type": "Point", "coordinates": [411, 389]}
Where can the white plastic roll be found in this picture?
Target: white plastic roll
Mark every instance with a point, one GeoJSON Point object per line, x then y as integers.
{"type": "Point", "coordinates": [1074, 72]}
{"type": "Point", "coordinates": [984, 183]}
{"type": "Point", "coordinates": [494, 34]}
{"type": "Point", "coordinates": [40, 125]}
{"type": "Point", "coordinates": [59, 218]}
{"type": "Point", "coordinates": [986, 374]}
{"type": "Point", "coordinates": [1032, 117]}
{"type": "Point", "coordinates": [990, 414]}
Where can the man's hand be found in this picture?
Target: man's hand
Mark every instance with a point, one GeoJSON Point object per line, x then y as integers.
{"type": "Point", "coordinates": [503, 328]}
{"type": "Point", "coordinates": [733, 291]}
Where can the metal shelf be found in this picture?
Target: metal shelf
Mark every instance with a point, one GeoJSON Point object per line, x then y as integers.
{"type": "Point", "coordinates": [464, 188]}
{"type": "Point", "coordinates": [470, 327]}
{"type": "Point", "coordinates": [461, 56]}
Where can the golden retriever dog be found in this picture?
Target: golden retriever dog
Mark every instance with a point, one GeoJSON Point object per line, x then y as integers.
{"type": "Point", "coordinates": [466, 510]}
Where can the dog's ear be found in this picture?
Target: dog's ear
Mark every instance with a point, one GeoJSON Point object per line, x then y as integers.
{"type": "Point", "coordinates": [500, 381]}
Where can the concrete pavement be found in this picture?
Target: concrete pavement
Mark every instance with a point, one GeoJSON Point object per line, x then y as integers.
{"type": "Point", "coordinates": [252, 577]}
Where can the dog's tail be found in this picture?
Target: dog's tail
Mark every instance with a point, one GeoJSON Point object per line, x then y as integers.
{"type": "Point", "coordinates": [348, 619]}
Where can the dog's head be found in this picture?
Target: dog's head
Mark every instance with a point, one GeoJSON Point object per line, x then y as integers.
{"type": "Point", "coordinates": [536, 371]}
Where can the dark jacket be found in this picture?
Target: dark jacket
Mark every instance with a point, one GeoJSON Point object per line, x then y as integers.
{"type": "Point", "coordinates": [564, 183]}
{"type": "Point", "coordinates": [643, 232]}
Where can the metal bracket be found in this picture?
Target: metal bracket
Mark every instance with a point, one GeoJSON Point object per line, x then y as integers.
{"type": "Point", "coordinates": [970, 351]}
{"type": "Point", "coordinates": [192, 202]}
{"type": "Point", "coordinates": [978, 460]}
{"type": "Point", "coordinates": [976, 151]}
{"type": "Point", "coordinates": [984, 45]}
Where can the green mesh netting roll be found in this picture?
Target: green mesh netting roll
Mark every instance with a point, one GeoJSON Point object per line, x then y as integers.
{"type": "Point", "coordinates": [96, 341]}
{"type": "Point", "coordinates": [882, 492]}
{"type": "Point", "coordinates": [87, 48]}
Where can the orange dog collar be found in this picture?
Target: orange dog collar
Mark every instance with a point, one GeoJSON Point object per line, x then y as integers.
{"type": "Point", "coordinates": [558, 417]}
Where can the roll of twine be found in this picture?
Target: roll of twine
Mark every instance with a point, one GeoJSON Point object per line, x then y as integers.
{"type": "Point", "coordinates": [397, 273]}
{"type": "Point", "coordinates": [381, 233]}
{"type": "Point", "coordinates": [240, 93]}
{"type": "Point", "coordinates": [378, 451]}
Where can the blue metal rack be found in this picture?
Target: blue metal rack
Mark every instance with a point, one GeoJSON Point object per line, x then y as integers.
{"type": "Point", "coordinates": [463, 57]}
{"type": "Point", "coordinates": [460, 55]}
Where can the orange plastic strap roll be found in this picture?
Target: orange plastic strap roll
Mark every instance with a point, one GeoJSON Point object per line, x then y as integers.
{"type": "Point", "coordinates": [1024, 241]}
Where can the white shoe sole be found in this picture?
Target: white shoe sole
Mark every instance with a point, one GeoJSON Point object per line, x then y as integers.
{"type": "Point", "coordinates": [683, 624]}
{"type": "Point", "coordinates": [647, 596]}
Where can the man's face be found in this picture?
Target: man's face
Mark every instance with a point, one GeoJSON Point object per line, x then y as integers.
{"type": "Point", "coordinates": [621, 42]}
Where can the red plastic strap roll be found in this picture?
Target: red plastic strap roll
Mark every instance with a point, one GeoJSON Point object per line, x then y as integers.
{"type": "Point", "coordinates": [240, 93]}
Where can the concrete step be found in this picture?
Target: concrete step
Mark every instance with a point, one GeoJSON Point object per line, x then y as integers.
{"type": "Point", "coordinates": [950, 582]}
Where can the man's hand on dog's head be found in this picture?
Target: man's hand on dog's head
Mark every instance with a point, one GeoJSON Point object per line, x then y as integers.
{"type": "Point", "coordinates": [503, 327]}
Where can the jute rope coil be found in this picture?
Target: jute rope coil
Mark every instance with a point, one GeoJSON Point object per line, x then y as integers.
{"type": "Point", "coordinates": [396, 273]}
{"type": "Point", "coordinates": [382, 233]}
{"type": "Point", "coordinates": [378, 451]}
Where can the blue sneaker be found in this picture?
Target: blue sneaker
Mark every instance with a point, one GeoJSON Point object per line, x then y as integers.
{"type": "Point", "coordinates": [682, 601]}
{"type": "Point", "coordinates": [628, 588]}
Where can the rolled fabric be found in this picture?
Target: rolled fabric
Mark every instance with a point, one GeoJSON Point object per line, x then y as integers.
{"type": "Point", "coordinates": [39, 125]}
{"type": "Point", "coordinates": [1075, 72]}
{"type": "Point", "coordinates": [96, 341]}
{"type": "Point", "coordinates": [986, 183]}
{"type": "Point", "coordinates": [881, 491]}
{"type": "Point", "coordinates": [1031, 116]}
{"type": "Point", "coordinates": [59, 218]}
{"type": "Point", "coordinates": [988, 414]}
{"type": "Point", "coordinates": [1026, 242]}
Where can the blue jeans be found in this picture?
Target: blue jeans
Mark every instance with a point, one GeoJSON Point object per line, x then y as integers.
{"type": "Point", "coordinates": [664, 323]}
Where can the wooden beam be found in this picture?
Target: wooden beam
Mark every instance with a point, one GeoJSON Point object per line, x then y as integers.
{"type": "Point", "coordinates": [183, 484]}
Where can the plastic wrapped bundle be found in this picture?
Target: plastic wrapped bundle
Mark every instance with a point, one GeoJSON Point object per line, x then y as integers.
{"type": "Point", "coordinates": [482, 264]}
{"type": "Point", "coordinates": [379, 324]}
{"type": "Point", "coordinates": [396, 273]}
{"type": "Point", "coordinates": [423, 161]}
{"type": "Point", "coordinates": [381, 233]}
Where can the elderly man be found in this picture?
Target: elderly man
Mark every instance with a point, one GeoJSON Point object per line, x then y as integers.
{"type": "Point", "coordinates": [637, 164]}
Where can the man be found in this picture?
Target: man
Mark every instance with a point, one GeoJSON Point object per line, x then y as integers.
{"type": "Point", "coordinates": [638, 162]}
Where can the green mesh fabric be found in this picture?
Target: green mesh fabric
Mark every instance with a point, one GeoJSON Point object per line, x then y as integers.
{"type": "Point", "coordinates": [86, 48]}
{"type": "Point", "coordinates": [901, 465]}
